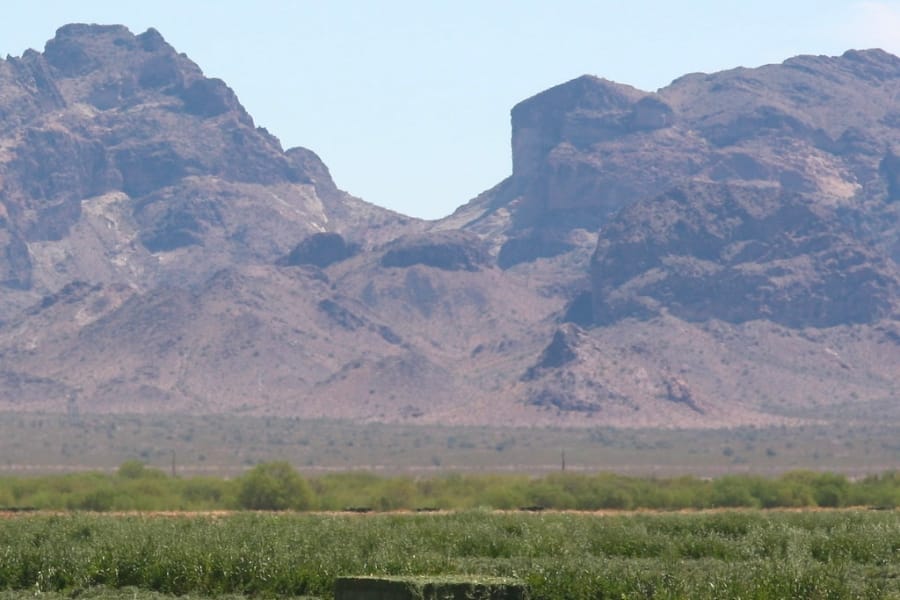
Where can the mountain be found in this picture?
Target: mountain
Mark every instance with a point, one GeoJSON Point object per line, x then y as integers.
{"type": "Point", "coordinates": [742, 199]}
{"type": "Point", "coordinates": [825, 128]}
{"type": "Point", "coordinates": [721, 252]}
{"type": "Point", "coordinates": [119, 155]}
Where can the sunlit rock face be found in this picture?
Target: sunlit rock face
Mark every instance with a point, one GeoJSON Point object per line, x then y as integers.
{"type": "Point", "coordinates": [586, 149]}
{"type": "Point", "coordinates": [115, 143]}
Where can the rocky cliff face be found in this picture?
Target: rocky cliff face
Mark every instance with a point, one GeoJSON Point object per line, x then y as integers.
{"type": "Point", "coordinates": [115, 144]}
{"type": "Point", "coordinates": [739, 200]}
{"type": "Point", "coordinates": [587, 148]}
{"type": "Point", "coordinates": [751, 193]}
{"type": "Point", "coordinates": [739, 253]}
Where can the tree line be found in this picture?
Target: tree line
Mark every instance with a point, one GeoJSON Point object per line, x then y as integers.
{"type": "Point", "coordinates": [279, 486]}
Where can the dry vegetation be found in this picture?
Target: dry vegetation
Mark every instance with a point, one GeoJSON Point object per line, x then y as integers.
{"type": "Point", "coordinates": [226, 446]}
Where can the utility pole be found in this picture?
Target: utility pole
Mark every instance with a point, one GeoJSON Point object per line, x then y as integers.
{"type": "Point", "coordinates": [563, 460]}
{"type": "Point", "coordinates": [173, 464]}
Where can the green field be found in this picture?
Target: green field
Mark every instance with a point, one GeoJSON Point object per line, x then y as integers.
{"type": "Point", "coordinates": [561, 556]}
{"type": "Point", "coordinates": [75, 463]}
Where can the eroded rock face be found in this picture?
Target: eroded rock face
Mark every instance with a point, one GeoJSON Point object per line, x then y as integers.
{"type": "Point", "coordinates": [447, 250]}
{"type": "Point", "coordinates": [529, 247]}
{"type": "Point", "coordinates": [586, 149]}
{"type": "Point", "coordinates": [737, 254]}
{"type": "Point", "coordinates": [559, 162]}
{"type": "Point", "coordinates": [115, 142]}
{"type": "Point", "coordinates": [320, 250]}
{"type": "Point", "coordinates": [562, 350]}
{"type": "Point", "coordinates": [103, 110]}
{"type": "Point", "coordinates": [15, 266]}
{"type": "Point", "coordinates": [581, 112]}
{"type": "Point", "coordinates": [565, 377]}
{"type": "Point", "coordinates": [740, 195]}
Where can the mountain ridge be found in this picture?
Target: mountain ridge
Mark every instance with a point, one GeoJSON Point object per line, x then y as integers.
{"type": "Point", "coordinates": [720, 252]}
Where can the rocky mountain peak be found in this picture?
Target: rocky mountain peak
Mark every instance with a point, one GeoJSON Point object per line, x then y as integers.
{"type": "Point", "coordinates": [107, 66]}
{"type": "Point", "coordinates": [582, 111]}
{"type": "Point", "coordinates": [589, 148]}
{"type": "Point", "coordinates": [106, 126]}
{"type": "Point", "coordinates": [79, 49]}
{"type": "Point", "coordinates": [874, 62]}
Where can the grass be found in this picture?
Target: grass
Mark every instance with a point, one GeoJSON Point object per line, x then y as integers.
{"type": "Point", "coordinates": [730, 554]}
{"type": "Point", "coordinates": [105, 593]}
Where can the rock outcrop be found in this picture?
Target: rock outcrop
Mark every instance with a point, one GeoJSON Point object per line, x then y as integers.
{"type": "Point", "coordinates": [713, 251]}
{"type": "Point", "coordinates": [447, 250]}
{"type": "Point", "coordinates": [115, 142]}
{"type": "Point", "coordinates": [320, 250]}
{"type": "Point", "coordinates": [586, 149]}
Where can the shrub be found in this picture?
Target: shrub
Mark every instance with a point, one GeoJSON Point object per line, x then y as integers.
{"type": "Point", "coordinates": [274, 486]}
{"type": "Point", "coordinates": [733, 491]}
{"type": "Point", "coordinates": [131, 469]}
{"type": "Point", "coordinates": [831, 490]}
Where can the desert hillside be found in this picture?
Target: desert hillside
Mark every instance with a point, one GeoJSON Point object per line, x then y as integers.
{"type": "Point", "coordinates": [721, 252]}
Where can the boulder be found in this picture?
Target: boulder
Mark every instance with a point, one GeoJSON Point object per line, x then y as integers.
{"type": "Point", "coordinates": [320, 250]}
{"type": "Point", "coordinates": [446, 250]}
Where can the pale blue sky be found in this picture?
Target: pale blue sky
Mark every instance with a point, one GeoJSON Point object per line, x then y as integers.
{"type": "Point", "coordinates": [408, 101]}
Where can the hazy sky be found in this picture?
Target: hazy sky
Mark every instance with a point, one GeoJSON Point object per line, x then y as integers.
{"type": "Point", "coordinates": [408, 101]}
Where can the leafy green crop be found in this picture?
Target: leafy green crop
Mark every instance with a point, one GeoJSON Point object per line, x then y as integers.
{"type": "Point", "coordinates": [571, 556]}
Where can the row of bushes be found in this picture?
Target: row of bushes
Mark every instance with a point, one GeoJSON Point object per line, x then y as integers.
{"type": "Point", "coordinates": [278, 486]}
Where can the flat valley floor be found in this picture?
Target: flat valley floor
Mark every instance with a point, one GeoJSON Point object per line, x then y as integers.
{"type": "Point", "coordinates": [38, 443]}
